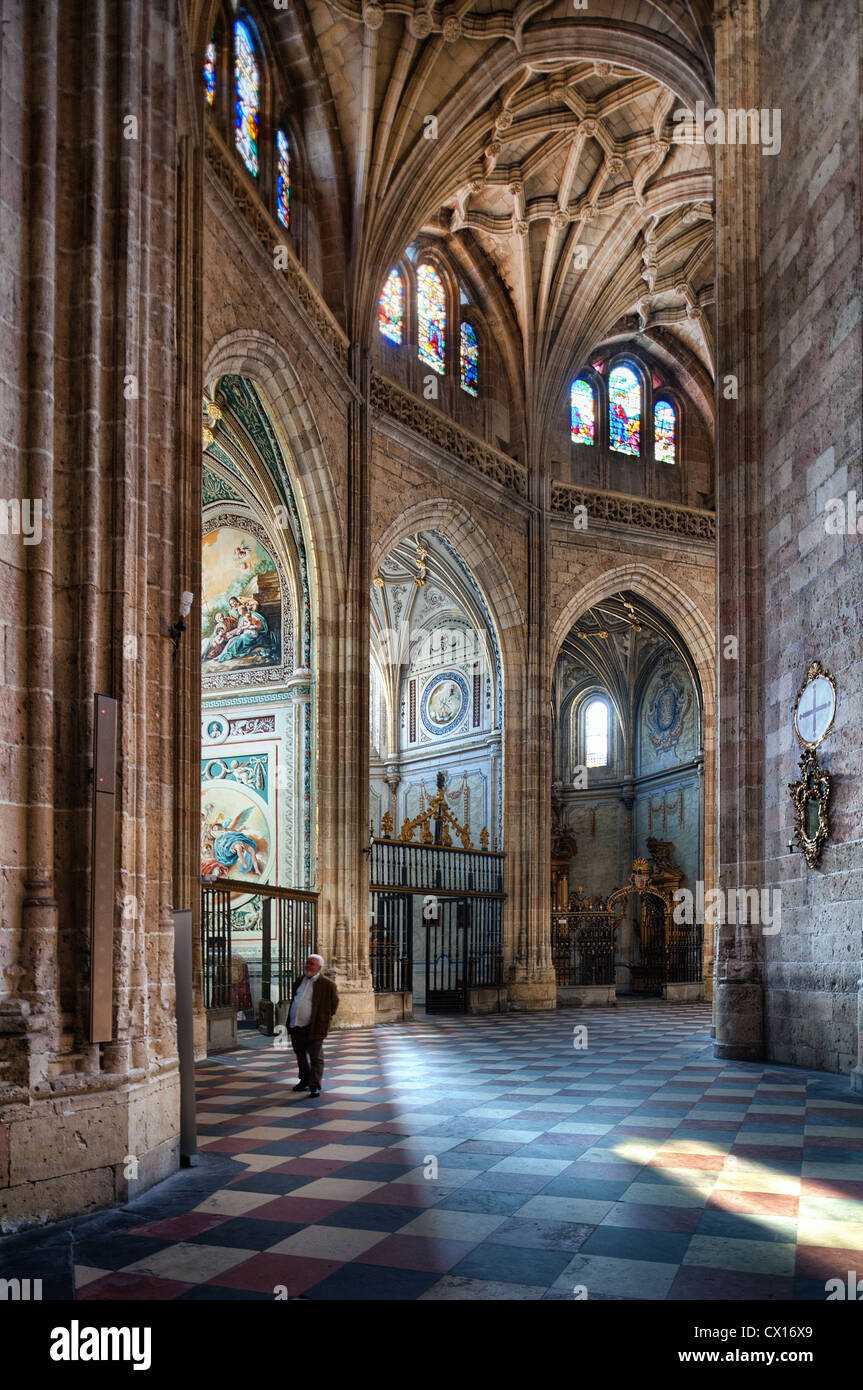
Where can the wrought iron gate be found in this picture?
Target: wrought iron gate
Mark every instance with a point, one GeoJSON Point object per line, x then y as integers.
{"type": "Point", "coordinates": [447, 961]}
{"type": "Point", "coordinates": [459, 894]}
{"type": "Point", "coordinates": [651, 966]}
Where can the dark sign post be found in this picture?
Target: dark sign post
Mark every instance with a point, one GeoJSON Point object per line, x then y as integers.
{"type": "Point", "coordinates": [185, 1036]}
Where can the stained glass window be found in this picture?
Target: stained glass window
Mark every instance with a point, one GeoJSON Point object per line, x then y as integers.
{"type": "Point", "coordinates": [624, 411]}
{"type": "Point", "coordinates": [247, 97]}
{"type": "Point", "coordinates": [431, 317]}
{"type": "Point", "coordinates": [469, 359]}
{"type": "Point", "coordinates": [582, 412]}
{"type": "Point", "coordinates": [210, 73]}
{"type": "Point", "coordinates": [664, 431]}
{"type": "Point", "coordinates": [283, 179]}
{"type": "Point", "coordinates": [391, 308]}
{"type": "Point", "coordinates": [596, 734]}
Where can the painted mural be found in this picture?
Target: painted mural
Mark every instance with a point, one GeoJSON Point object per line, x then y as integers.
{"type": "Point", "coordinates": [236, 838]}
{"type": "Point", "coordinates": [241, 626]}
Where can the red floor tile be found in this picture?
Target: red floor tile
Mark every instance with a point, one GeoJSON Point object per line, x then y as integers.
{"type": "Point", "coordinates": [758, 1203]}
{"type": "Point", "coordinates": [306, 1210]}
{"type": "Point", "coordinates": [123, 1286]}
{"type": "Point", "coordinates": [181, 1227]}
{"type": "Point", "coordinates": [824, 1262]}
{"type": "Point", "coordinates": [266, 1272]}
{"type": "Point", "coordinates": [831, 1187]}
{"type": "Point", "coordinates": [712, 1163]}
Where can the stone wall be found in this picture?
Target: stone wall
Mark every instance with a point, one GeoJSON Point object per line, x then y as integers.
{"type": "Point", "coordinates": [811, 431]}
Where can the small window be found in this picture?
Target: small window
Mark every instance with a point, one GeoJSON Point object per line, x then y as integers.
{"type": "Point", "coordinates": [664, 432]}
{"type": "Point", "coordinates": [469, 359]}
{"type": "Point", "coordinates": [247, 97]}
{"type": "Point", "coordinates": [431, 318]}
{"type": "Point", "coordinates": [210, 57]}
{"type": "Point", "coordinates": [283, 179]}
{"type": "Point", "coordinates": [596, 734]}
{"type": "Point", "coordinates": [624, 411]}
{"type": "Point", "coordinates": [391, 308]}
{"type": "Point", "coordinates": [582, 412]}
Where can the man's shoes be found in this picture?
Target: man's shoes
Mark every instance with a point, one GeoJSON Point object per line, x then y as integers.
{"type": "Point", "coordinates": [300, 1086]}
{"type": "Point", "coordinates": [314, 1092]}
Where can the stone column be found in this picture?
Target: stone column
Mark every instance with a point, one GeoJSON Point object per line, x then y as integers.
{"type": "Point", "coordinates": [92, 236]}
{"type": "Point", "coordinates": [531, 982]}
{"type": "Point", "coordinates": [30, 1013]}
{"type": "Point", "coordinates": [343, 877]}
{"type": "Point", "coordinates": [739, 988]}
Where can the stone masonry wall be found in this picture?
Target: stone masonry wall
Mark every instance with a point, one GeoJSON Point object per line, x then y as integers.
{"type": "Point", "coordinates": [811, 423]}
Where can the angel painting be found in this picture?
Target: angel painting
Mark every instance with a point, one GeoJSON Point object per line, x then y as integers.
{"type": "Point", "coordinates": [226, 848]}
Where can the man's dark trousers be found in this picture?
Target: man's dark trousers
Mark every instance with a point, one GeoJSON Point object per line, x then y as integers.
{"type": "Point", "coordinates": [310, 1056]}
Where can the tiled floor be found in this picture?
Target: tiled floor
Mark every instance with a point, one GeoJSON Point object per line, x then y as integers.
{"type": "Point", "coordinates": [490, 1158]}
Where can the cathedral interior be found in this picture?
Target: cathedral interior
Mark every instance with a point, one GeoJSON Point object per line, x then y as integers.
{"type": "Point", "coordinates": [476, 386]}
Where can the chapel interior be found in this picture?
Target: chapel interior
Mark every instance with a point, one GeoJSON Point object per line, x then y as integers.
{"type": "Point", "coordinates": [431, 430]}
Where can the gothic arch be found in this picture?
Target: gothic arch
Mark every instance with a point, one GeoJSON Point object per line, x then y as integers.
{"type": "Point", "coordinates": [700, 638]}
{"type": "Point", "coordinates": [249, 353]}
{"type": "Point", "coordinates": [463, 532]}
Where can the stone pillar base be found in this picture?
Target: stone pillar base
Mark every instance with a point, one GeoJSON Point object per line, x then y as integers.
{"type": "Point", "coordinates": [738, 1015]}
{"type": "Point", "coordinates": [88, 1151]}
{"type": "Point", "coordinates": [731, 1052]}
{"type": "Point", "coordinates": [356, 1009]}
{"type": "Point", "coordinates": [857, 1080]}
{"type": "Point", "coordinates": [527, 995]}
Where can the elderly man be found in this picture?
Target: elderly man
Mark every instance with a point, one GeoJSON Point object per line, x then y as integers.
{"type": "Point", "coordinates": [313, 1003]}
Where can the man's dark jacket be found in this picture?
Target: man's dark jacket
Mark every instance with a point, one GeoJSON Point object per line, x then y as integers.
{"type": "Point", "coordinates": [325, 1001]}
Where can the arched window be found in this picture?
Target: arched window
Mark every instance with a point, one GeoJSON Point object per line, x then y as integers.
{"type": "Point", "coordinates": [469, 359]}
{"type": "Point", "coordinates": [431, 318]}
{"type": "Point", "coordinates": [210, 58]}
{"type": "Point", "coordinates": [283, 179]}
{"type": "Point", "coordinates": [596, 734]}
{"type": "Point", "coordinates": [664, 432]}
{"type": "Point", "coordinates": [582, 412]}
{"type": "Point", "coordinates": [391, 308]}
{"type": "Point", "coordinates": [624, 411]}
{"type": "Point", "coordinates": [247, 97]}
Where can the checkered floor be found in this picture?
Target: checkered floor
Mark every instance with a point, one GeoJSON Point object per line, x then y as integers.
{"type": "Point", "coordinates": [493, 1158]}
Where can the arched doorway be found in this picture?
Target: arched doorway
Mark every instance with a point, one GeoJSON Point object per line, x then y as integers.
{"type": "Point", "coordinates": [436, 781]}
{"type": "Point", "coordinates": [629, 781]}
{"type": "Point", "coordinates": [258, 716]}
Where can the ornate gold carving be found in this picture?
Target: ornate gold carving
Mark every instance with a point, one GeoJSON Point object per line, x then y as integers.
{"type": "Point", "coordinates": [810, 796]}
{"type": "Point", "coordinates": [483, 838]}
{"type": "Point", "coordinates": [386, 825]}
{"type": "Point", "coordinates": [635, 511]}
{"type": "Point", "coordinates": [437, 809]}
{"type": "Point", "coordinates": [422, 556]}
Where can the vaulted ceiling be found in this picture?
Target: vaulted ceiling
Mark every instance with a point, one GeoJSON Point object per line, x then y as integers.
{"type": "Point", "coordinates": [536, 140]}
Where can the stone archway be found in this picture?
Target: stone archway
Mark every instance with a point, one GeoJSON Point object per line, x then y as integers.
{"type": "Point", "coordinates": [526, 944]}
{"type": "Point", "coordinates": [693, 627]}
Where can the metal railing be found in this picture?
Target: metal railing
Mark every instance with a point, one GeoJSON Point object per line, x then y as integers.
{"type": "Point", "coordinates": [582, 947]}
{"type": "Point", "coordinates": [288, 935]}
{"type": "Point", "coordinates": [396, 864]}
{"type": "Point", "coordinates": [401, 873]}
{"type": "Point", "coordinates": [684, 955]}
